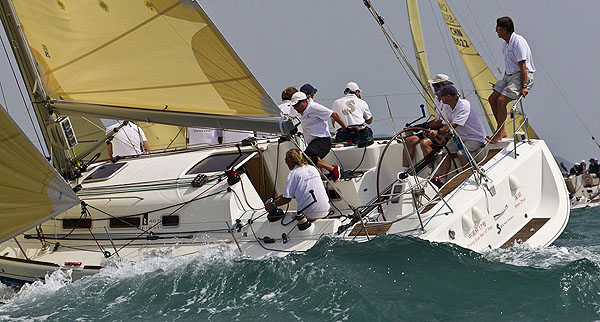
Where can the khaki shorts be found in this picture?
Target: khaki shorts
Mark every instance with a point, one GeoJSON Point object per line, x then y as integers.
{"type": "Point", "coordinates": [510, 85]}
{"type": "Point", "coordinates": [471, 145]}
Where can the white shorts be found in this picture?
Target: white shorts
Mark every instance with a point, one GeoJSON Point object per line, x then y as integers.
{"type": "Point", "coordinates": [471, 145]}
{"type": "Point", "coordinates": [510, 85]}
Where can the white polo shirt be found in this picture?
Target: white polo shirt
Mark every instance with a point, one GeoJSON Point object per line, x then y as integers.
{"type": "Point", "coordinates": [353, 110]}
{"type": "Point", "coordinates": [314, 121]}
{"type": "Point", "coordinates": [298, 184]}
{"type": "Point", "coordinates": [516, 50]}
{"type": "Point", "coordinates": [285, 106]}
{"type": "Point", "coordinates": [198, 135]}
{"type": "Point", "coordinates": [128, 141]}
{"type": "Point", "coordinates": [469, 127]}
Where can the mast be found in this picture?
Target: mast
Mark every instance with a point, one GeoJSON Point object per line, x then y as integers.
{"type": "Point", "coordinates": [481, 76]}
{"type": "Point", "coordinates": [32, 80]}
{"type": "Point", "coordinates": [419, 49]}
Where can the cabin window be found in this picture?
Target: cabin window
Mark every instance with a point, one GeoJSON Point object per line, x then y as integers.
{"type": "Point", "coordinates": [125, 222]}
{"type": "Point", "coordinates": [170, 221]}
{"type": "Point", "coordinates": [104, 172]}
{"type": "Point", "coordinates": [217, 162]}
{"type": "Point", "coordinates": [77, 223]}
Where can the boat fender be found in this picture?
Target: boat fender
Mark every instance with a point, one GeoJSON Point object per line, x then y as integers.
{"type": "Point", "coordinates": [467, 222]}
{"type": "Point", "coordinates": [303, 223]}
{"type": "Point", "coordinates": [477, 214]}
{"type": "Point", "coordinates": [514, 183]}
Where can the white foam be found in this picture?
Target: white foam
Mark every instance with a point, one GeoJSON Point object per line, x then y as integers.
{"type": "Point", "coordinates": [30, 292]}
{"type": "Point", "coordinates": [547, 257]}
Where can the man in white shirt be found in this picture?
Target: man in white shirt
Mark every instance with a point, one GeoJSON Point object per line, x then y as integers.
{"type": "Point", "coordinates": [128, 141]}
{"type": "Point", "coordinates": [303, 183]}
{"type": "Point", "coordinates": [518, 77]}
{"type": "Point", "coordinates": [314, 117]}
{"type": "Point", "coordinates": [355, 112]}
{"type": "Point", "coordinates": [423, 138]}
{"type": "Point", "coordinates": [203, 136]}
{"type": "Point", "coordinates": [286, 107]}
{"type": "Point", "coordinates": [465, 122]}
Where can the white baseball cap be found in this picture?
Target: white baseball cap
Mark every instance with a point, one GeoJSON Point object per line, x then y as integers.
{"type": "Point", "coordinates": [440, 78]}
{"type": "Point", "coordinates": [352, 86]}
{"type": "Point", "coordinates": [297, 97]}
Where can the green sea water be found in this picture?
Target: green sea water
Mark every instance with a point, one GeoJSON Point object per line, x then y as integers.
{"type": "Point", "coordinates": [388, 279]}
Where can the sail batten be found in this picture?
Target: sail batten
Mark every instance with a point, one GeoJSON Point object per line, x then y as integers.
{"type": "Point", "coordinates": [142, 55]}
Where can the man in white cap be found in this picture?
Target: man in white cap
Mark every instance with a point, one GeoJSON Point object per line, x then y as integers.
{"type": "Point", "coordinates": [314, 119]}
{"type": "Point", "coordinates": [422, 138]}
{"type": "Point", "coordinates": [355, 112]}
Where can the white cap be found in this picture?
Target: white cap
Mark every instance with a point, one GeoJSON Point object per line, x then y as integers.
{"type": "Point", "coordinates": [440, 78]}
{"type": "Point", "coordinates": [297, 97]}
{"type": "Point", "coordinates": [352, 86]}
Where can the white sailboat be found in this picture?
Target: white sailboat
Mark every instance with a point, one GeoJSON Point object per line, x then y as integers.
{"type": "Point", "coordinates": [165, 62]}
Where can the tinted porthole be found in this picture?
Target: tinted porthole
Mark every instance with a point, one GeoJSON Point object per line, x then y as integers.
{"type": "Point", "coordinates": [170, 221]}
{"type": "Point", "coordinates": [77, 223]}
{"type": "Point", "coordinates": [125, 222]}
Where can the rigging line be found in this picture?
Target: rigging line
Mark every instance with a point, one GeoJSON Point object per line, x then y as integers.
{"type": "Point", "coordinates": [94, 124]}
{"type": "Point", "coordinates": [485, 42]}
{"type": "Point", "coordinates": [445, 41]}
{"type": "Point", "coordinates": [175, 138]}
{"type": "Point", "coordinates": [21, 92]}
{"type": "Point", "coordinates": [4, 98]}
{"type": "Point", "coordinates": [399, 53]}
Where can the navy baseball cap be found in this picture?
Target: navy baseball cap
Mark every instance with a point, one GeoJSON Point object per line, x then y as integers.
{"type": "Point", "coordinates": [308, 89]}
{"type": "Point", "coordinates": [448, 90]}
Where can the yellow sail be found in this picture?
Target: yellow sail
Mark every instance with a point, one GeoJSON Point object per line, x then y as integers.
{"type": "Point", "coordinates": [419, 49]}
{"type": "Point", "coordinates": [481, 76]}
{"type": "Point", "coordinates": [159, 61]}
{"type": "Point", "coordinates": [162, 136]}
{"type": "Point", "coordinates": [89, 130]}
{"type": "Point", "coordinates": [30, 190]}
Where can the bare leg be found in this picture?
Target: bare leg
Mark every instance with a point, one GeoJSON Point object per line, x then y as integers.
{"type": "Point", "coordinates": [445, 167]}
{"type": "Point", "coordinates": [410, 142]}
{"type": "Point", "coordinates": [426, 146]}
{"type": "Point", "coordinates": [500, 105]}
{"type": "Point", "coordinates": [324, 165]}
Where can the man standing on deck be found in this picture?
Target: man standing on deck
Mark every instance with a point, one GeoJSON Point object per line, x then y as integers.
{"type": "Point", "coordinates": [355, 112]}
{"type": "Point", "coordinates": [314, 119]}
{"type": "Point", "coordinates": [518, 77]}
{"type": "Point", "coordinates": [466, 123]}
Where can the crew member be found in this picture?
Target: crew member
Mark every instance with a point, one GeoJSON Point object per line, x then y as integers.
{"type": "Point", "coordinates": [128, 141]}
{"type": "Point", "coordinates": [302, 179]}
{"type": "Point", "coordinates": [355, 112]}
{"type": "Point", "coordinates": [314, 119]}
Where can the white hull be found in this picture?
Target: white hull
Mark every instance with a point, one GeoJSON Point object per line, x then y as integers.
{"type": "Point", "coordinates": [530, 205]}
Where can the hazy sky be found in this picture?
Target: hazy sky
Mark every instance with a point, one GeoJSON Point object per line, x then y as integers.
{"type": "Point", "coordinates": [330, 42]}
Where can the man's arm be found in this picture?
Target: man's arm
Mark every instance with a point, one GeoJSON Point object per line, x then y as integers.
{"type": "Point", "coordinates": [279, 201]}
{"type": "Point", "coordinates": [523, 70]}
{"type": "Point", "coordinates": [337, 118]}
{"type": "Point", "coordinates": [369, 121]}
{"type": "Point", "coordinates": [146, 146]}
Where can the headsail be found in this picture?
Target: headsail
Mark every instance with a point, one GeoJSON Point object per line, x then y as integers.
{"type": "Point", "coordinates": [481, 76]}
{"type": "Point", "coordinates": [419, 48]}
{"type": "Point", "coordinates": [30, 189]}
{"type": "Point", "coordinates": [160, 61]}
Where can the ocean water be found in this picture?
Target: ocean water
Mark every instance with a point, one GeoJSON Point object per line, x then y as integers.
{"type": "Point", "coordinates": [388, 279]}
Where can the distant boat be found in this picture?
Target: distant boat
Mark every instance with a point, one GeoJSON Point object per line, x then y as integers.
{"type": "Point", "coordinates": [166, 62]}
